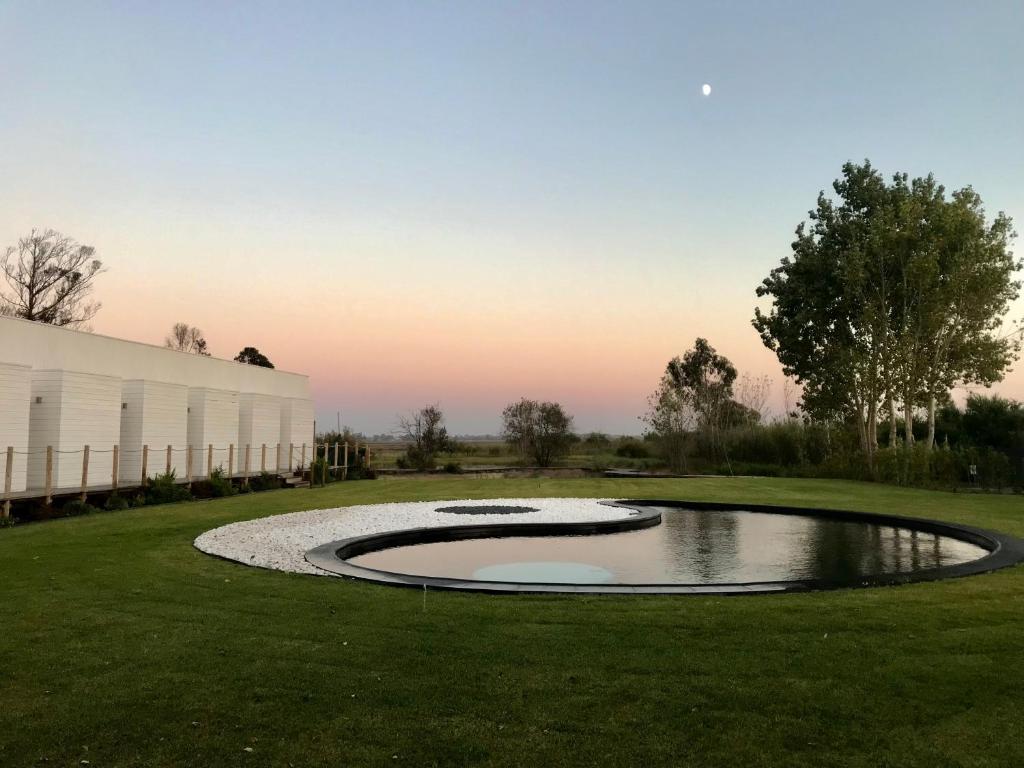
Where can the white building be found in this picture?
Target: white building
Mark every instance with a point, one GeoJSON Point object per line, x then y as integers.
{"type": "Point", "coordinates": [259, 427]}
{"type": "Point", "coordinates": [68, 411]}
{"type": "Point", "coordinates": [213, 421]}
{"type": "Point", "coordinates": [154, 415]}
{"type": "Point", "coordinates": [15, 395]}
{"type": "Point", "coordinates": [296, 415]}
{"type": "Point", "coordinates": [66, 389]}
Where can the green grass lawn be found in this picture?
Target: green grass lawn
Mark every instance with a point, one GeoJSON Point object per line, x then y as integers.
{"type": "Point", "coordinates": [122, 645]}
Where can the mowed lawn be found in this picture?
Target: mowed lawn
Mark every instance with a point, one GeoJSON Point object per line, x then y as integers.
{"type": "Point", "coordinates": [120, 644]}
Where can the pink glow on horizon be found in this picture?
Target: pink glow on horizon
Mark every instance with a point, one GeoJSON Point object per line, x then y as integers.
{"type": "Point", "coordinates": [374, 364]}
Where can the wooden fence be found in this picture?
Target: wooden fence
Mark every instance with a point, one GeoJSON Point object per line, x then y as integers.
{"type": "Point", "coordinates": [335, 454]}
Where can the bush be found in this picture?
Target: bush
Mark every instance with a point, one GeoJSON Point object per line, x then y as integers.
{"type": "Point", "coordinates": [165, 489]}
{"type": "Point", "coordinates": [362, 473]}
{"type": "Point", "coordinates": [630, 448]}
{"type": "Point", "coordinates": [217, 485]}
{"type": "Point", "coordinates": [265, 481]}
{"type": "Point", "coordinates": [359, 471]}
{"type": "Point", "coordinates": [77, 507]}
{"type": "Point", "coordinates": [452, 468]}
{"type": "Point", "coordinates": [320, 472]}
{"type": "Point", "coordinates": [116, 503]}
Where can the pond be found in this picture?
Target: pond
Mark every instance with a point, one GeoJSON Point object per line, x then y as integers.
{"type": "Point", "coordinates": [689, 547]}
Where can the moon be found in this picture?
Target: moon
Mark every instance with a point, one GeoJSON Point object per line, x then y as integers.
{"type": "Point", "coordinates": [705, 89]}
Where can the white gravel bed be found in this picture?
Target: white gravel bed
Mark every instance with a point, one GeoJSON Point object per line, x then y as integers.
{"type": "Point", "coordinates": [281, 541]}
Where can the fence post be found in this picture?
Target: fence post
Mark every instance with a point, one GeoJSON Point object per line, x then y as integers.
{"type": "Point", "coordinates": [8, 480]}
{"type": "Point", "coordinates": [49, 474]}
{"type": "Point", "coordinates": [335, 455]}
{"type": "Point", "coordinates": [145, 464]}
{"type": "Point", "coordinates": [168, 470]}
{"type": "Point", "coordinates": [366, 448]}
{"type": "Point", "coordinates": [344, 471]}
{"type": "Point", "coordinates": [302, 461]}
{"type": "Point", "coordinates": [277, 464]}
{"type": "Point", "coordinates": [263, 457]}
{"type": "Point", "coordinates": [231, 460]}
{"type": "Point", "coordinates": [291, 455]}
{"type": "Point", "coordinates": [209, 460]}
{"type": "Point", "coordinates": [245, 476]}
{"type": "Point", "coordinates": [113, 467]}
{"type": "Point", "coordinates": [188, 464]}
{"type": "Point", "coordinates": [85, 472]}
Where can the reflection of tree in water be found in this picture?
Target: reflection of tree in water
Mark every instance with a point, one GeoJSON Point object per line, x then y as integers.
{"type": "Point", "coordinates": [701, 542]}
{"type": "Point", "coordinates": [840, 551]}
{"type": "Point", "coordinates": [704, 546]}
{"type": "Point", "coordinates": [844, 551]}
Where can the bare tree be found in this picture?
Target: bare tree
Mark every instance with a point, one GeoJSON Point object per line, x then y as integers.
{"type": "Point", "coordinates": [752, 393]}
{"type": "Point", "coordinates": [186, 338]}
{"type": "Point", "coordinates": [789, 394]}
{"type": "Point", "coordinates": [541, 431]}
{"type": "Point", "coordinates": [672, 420]}
{"type": "Point", "coordinates": [49, 278]}
{"type": "Point", "coordinates": [426, 434]}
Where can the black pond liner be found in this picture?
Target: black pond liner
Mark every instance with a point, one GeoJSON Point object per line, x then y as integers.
{"type": "Point", "coordinates": [1003, 551]}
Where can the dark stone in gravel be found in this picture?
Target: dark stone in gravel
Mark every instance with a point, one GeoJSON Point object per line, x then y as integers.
{"type": "Point", "coordinates": [485, 509]}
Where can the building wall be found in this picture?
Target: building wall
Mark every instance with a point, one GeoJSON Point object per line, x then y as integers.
{"type": "Point", "coordinates": [78, 377]}
{"type": "Point", "coordinates": [15, 391]}
{"type": "Point", "coordinates": [69, 410]}
{"type": "Point", "coordinates": [45, 346]}
{"type": "Point", "coordinates": [259, 423]}
{"type": "Point", "coordinates": [153, 414]}
{"type": "Point", "coordinates": [213, 420]}
{"type": "Point", "coordinates": [296, 427]}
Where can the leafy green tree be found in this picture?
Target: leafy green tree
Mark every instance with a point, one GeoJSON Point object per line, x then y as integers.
{"type": "Point", "coordinates": [995, 422]}
{"type": "Point", "coordinates": [253, 356]}
{"type": "Point", "coordinates": [704, 380]}
{"type": "Point", "coordinates": [963, 284]}
{"type": "Point", "coordinates": [831, 320]}
{"type": "Point", "coordinates": [893, 292]}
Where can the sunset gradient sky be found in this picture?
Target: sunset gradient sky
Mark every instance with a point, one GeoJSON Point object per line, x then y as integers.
{"type": "Point", "coordinates": [466, 203]}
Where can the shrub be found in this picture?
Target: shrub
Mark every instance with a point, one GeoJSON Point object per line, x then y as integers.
{"type": "Point", "coordinates": [77, 507]}
{"type": "Point", "coordinates": [265, 481]}
{"type": "Point", "coordinates": [116, 502]}
{"type": "Point", "coordinates": [164, 489]}
{"type": "Point", "coordinates": [358, 471]}
{"type": "Point", "coordinates": [216, 486]}
{"type": "Point", "coordinates": [630, 448]}
{"type": "Point", "coordinates": [320, 472]}
{"type": "Point", "coordinates": [452, 468]}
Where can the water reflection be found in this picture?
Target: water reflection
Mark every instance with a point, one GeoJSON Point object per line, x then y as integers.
{"type": "Point", "coordinates": [696, 547]}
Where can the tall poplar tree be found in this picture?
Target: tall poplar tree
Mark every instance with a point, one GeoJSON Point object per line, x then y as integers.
{"type": "Point", "coordinates": [894, 292]}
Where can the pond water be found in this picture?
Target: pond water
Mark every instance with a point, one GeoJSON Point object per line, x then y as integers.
{"type": "Point", "coordinates": [688, 547]}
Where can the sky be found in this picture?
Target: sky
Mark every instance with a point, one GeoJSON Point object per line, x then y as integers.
{"type": "Point", "coordinates": [465, 203]}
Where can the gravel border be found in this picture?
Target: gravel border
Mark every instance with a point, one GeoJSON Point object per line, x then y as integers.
{"type": "Point", "coordinates": [279, 542]}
